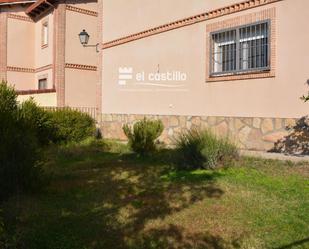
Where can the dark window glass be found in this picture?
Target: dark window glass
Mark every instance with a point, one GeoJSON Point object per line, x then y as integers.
{"type": "Point", "coordinates": [240, 49]}
{"type": "Point", "coordinates": [42, 84]}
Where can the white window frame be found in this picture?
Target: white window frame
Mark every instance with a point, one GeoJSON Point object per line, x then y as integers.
{"type": "Point", "coordinates": [45, 33]}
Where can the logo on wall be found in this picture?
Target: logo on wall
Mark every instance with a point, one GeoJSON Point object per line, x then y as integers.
{"type": "Point", "coordinates": [127, 78]}
{"type": "Point", "coordinates": [125, 73]}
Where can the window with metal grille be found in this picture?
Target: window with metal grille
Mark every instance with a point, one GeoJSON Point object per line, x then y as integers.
{"type": "Point", "coordinates": [42, 84]}
{"type": "Point", "coordinates": [240, 49]}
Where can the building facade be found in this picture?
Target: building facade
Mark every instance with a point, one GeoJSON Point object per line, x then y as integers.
{"type": "Point", "coordinates": [236, 67]}
{"type": "Point", "coordinates": [41, 54]}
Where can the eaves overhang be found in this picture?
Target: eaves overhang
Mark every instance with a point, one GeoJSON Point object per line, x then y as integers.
{"type": "Point", "coordinates": [39, 7]}
{"type": "Point", "coordinates": [14, 2]}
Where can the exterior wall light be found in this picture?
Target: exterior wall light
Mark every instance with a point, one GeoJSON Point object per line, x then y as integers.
{"type": "Point", "coordinates": [84, 39]}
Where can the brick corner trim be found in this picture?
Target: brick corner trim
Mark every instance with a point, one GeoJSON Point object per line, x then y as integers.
{"type": "Point", "coordinates": [20, 69]}
{"type": "Point", "coordinates": [28, 70]}
{"type": "Point", "coordinates": [81, 11]}
{"type": "Point", "coordinates": [234, 8]}
{"type": "Point", "coordinates": [37, 91]}
{"type": "Point", "coordinates": [19, 17]}
{"type": "Point", "coordinates": [44, 68]}
{"type": "Point", "coordinates": [80, 67]}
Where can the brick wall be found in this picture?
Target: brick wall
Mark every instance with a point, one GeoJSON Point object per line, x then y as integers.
{"type": "Point", "coordinates": [59, 52]}
{"type": "Point", "coordinates": [3, 46]}
{"type": "Point", "coordinates": [100, 59]}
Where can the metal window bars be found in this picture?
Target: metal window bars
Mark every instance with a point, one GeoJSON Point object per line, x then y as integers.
{"type": "Point", "coordinates": [239, 50]}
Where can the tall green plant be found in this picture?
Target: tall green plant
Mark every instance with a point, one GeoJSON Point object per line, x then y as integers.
{"type": "Point", "coordinates": [18, 146]}
{"type": "Point", "coordinates": [40, 120]}
{"type": "Point", "coordinates": [143, 135]}
{"type": "Point", "coordinates": [203, 149]}
{"type": "Point", "coordinates": [4, 238]}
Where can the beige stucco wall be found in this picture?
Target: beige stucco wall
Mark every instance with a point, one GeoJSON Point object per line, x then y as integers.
{"type": "Point", "coordinates": [24, 50]}
{"type": "Point", "coordinates": [44, 56]}
{"type": "Point", "coordinates": [84, 4]}
{"type": "Point", "coordinates": [20, 45]}
{"type": "Point", "coordinates": [74, 51]}
{"type": "Point", "coordinates": [80, 88]}
{"type": "Point", "coordinates": [80, 85]}
{"type": "Point", "coordinates": [20, 50]}
{"type": "Point", "coordinates": [122, 19]}
{"type": "Point", "coordinates": [43, 99]}
{"type": "Point", "coordinates": [184, 50]}
{"type": "Point", "coordinates": [21, 81]}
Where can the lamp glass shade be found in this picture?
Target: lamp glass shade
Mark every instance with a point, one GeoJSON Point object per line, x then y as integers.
{"type": "Point", "coordinates": [84, 37]}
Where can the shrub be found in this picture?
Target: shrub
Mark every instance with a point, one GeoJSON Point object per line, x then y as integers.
{"type": "Point", "coordinates": [72, 126]}
{"type": "Point", "coordinates": [203, 149]}
{"type": "Point", "coordinates": [6, 241]}
{"type": "Point", "coordinates": [143, 135]}
{"type": "Point", "coordinates": [89, 147]}
{"type": "Point", "coordinates": [41, 121]}
{"type": "Point", "coordinates": [18, 146]}
{"type": "Point", "coordinates": [2, 231]}
{"type": "Point", "coordinates": [3, 236]}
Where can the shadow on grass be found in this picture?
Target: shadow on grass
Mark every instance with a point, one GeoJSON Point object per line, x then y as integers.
{"type": "Point", "coordinates": [304, 242]}
{"type": "Point", "coordinates": [174, 237]}
{"type": "Point", "coordinates": [111, 200]}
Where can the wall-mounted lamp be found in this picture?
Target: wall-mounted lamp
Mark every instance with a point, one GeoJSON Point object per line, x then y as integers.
{"type": "Point", "coordinates": [84, 39]}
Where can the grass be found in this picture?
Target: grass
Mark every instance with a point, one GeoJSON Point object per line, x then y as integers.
{"type": "Point", "coordinates": [100, 196]}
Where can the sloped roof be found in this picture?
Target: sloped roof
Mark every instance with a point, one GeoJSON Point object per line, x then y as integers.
{"type": "Point", "coordinates": [36, 7]}
{"type": "Point", "coordinates": [39, 7]}
{"type": "Point", "coordinates": [15, 1]}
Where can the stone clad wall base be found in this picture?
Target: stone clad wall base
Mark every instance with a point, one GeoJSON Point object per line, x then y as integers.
{"type": "Point", "coordinates": [248, 133]}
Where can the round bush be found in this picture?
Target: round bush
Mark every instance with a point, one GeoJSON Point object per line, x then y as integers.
{"type": "Point", "coordinates": [143, 135]}
{"type": "Point", "coordinates": [72, 125]}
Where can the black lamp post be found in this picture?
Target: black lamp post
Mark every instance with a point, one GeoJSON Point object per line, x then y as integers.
{"type": "Point", "coordinates": [84, 39]}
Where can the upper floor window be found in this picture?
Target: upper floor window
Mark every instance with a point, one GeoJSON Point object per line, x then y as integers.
{"type": "Point", "coordinates": [42, 84]}
{"type": "Point", "coordinates": [241, 49]}
{"type": "Point", "coordinates": [45, 34]}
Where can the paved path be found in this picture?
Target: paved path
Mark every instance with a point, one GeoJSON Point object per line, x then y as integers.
{"type": "Point", "coordinates": [277, 156]}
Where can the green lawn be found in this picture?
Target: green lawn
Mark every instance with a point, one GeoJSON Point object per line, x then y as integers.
{"type": "Point", "coordinates": [100, 197]}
